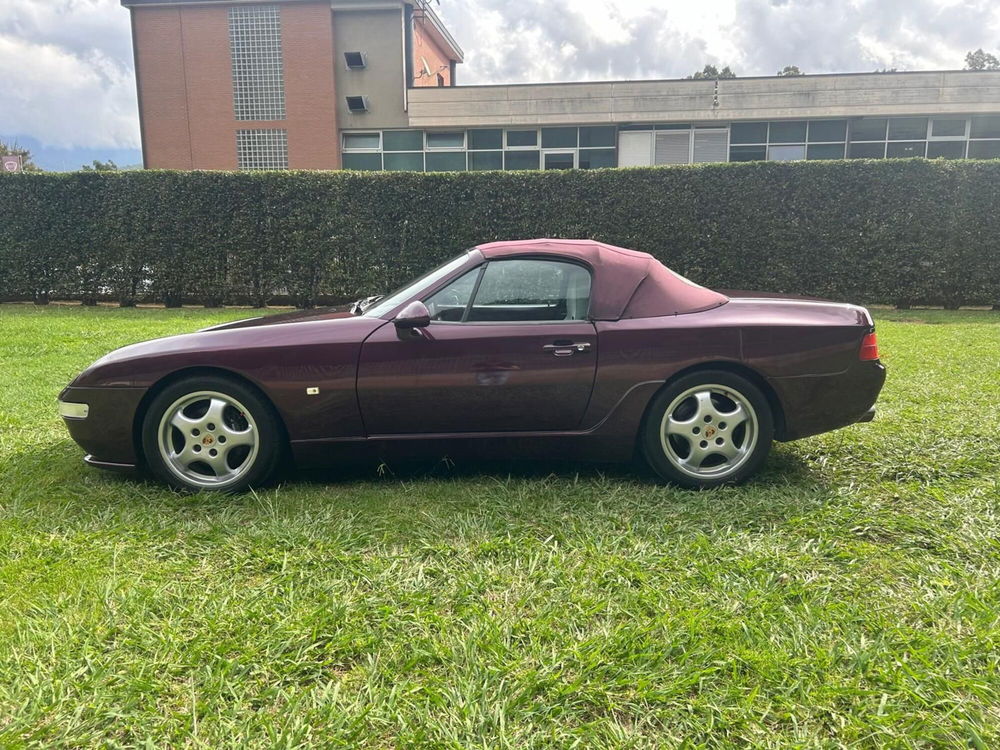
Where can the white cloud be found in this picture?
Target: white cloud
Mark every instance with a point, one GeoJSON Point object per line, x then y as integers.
{"type": "Point", "coordinates": [66, 72]}
{"type": "Point", "coordinates": [527, 40]}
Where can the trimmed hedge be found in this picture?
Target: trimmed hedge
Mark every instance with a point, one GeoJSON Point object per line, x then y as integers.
{"type": "Point", "coordinates": [902, 232]}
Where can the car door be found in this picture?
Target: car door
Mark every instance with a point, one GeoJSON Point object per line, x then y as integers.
{"type": "Point", "coordinates": [509, 348]}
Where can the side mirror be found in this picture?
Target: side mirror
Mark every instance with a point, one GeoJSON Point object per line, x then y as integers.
{"type": "Point", "coordinates": [414, 315]}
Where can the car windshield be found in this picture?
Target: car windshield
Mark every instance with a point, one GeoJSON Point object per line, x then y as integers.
{"type": "Point", "coordinates": [401, 295]}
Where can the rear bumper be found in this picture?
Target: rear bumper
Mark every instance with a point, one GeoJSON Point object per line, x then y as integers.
{"type": "Point", "coordinates": [820, 403]}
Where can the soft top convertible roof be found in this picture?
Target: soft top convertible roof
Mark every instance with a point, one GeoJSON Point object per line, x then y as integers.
{"type": "Point", "coordinates": [627, 283]}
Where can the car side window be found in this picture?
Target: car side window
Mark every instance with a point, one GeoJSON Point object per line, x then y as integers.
{"type": "Point", "coordinates": [531, 290]}
{"type": "Point", "coordinates": [449, 303]}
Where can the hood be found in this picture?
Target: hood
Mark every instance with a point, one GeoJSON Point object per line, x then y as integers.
{"type": "Point", "coordinates": [292, 316]}
{"type": "Point", "coordinates": [268, 335]}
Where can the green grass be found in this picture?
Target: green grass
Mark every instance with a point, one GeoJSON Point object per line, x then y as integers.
{"type": "Point", "coordinates": [849, 597]}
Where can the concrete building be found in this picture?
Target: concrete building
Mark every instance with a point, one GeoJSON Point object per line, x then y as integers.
{"type": "Point", "coordinates": [371, 84]}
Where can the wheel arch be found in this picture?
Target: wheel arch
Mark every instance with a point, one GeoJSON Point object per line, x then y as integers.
{"type": "Point", "coordinates": [167, 380]}
{"type": "Point", "coordinates": [734, 368]}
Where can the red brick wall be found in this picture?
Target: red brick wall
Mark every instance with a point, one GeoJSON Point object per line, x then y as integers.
{"type": "Point", "coordinates": [162, 88]}
{"type": "Point", "coordinates": [310, 97]}
{"type": "Point", "coordinates": [184, 74]}
{"type": "Point", "coordinates": [425, 48]}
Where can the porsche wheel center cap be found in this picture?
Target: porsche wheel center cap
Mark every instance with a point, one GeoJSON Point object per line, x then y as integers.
{"type": "Point", "coordinates": [207, 440]}
{"type": "Point", "coordinates": [709, 432]}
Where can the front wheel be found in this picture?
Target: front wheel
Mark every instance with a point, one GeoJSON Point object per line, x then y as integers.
{"type": "Point", "coordinates": [211, 433]}
{"type": "Point", "coordinates": [707, 429]}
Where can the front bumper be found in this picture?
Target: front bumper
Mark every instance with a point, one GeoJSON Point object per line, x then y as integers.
{"type": "Point", "coordinates": [102, 422]}
{"type": "Point", "coordinates": [868, 416]}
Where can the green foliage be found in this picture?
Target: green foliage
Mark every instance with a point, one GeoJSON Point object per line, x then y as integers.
{"type": "Point", "coordinates": [847, 598]}
{"type": "Point", "coordinates": [100, 166]}
{"type": "Point", "coordinates": [790, 70]}
{"type": "Point", "coordinates": [711, 72]}
{"type": "Point", "coordinates": [898, 232]}
{"type": "Point", "coordinates": [981, 60]}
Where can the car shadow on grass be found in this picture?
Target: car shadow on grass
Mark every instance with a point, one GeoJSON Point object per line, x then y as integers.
{"type": "Point", "coordinates": [782, 467]}
{"type": "Point", "coordinates": [51, 488]}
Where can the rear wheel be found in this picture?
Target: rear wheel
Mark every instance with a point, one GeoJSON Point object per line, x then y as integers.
{"type": "Point", "coordinates": [707, 429]}
{"type": "Point", "coordinates": [211, 433]}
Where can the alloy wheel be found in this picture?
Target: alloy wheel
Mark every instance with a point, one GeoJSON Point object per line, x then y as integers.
{"type": "Point", "coordinates": [208, 439]}
{"type": "Point", "coordinates": [709, 431]}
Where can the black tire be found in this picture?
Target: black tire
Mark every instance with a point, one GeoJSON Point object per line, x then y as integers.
{"type": "Point", "coordinates": [246, 415]}
{"type": "Point", "coordinates": [749, 440]}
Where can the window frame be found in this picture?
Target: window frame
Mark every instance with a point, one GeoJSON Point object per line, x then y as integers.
{"type": "Point", "coordinates": [356, 150]}
{"type": "Point", "coordinates": [963, 137]}
{"type": "Point", "coordinates": [479, 280]}
{"type": "Point", "coordinates": [429, 147]}
{"type": "Point", "coordinates": [537, 146]}
{"type": "Point", "coordinates": [566, 151]}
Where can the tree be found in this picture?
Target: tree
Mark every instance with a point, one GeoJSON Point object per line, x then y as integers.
{"type": "Point", "coordinates": [980, 60]}
{"type": "Point", "coordinates": [711, 72]}
{"type": "Point", "coordinates": [27, 163]}
{"type": "Point", "coordinates": [790, 70]}
{"type": "Point", "coordinates": [100, 166]}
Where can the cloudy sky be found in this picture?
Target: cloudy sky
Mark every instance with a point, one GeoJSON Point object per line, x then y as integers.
{"type": "Point", "coordinates": [67, 89]}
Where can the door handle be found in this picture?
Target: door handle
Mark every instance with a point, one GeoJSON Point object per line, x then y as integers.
{"type": "Point", "coordinates": [568, 348]}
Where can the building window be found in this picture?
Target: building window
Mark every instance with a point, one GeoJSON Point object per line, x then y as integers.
{"type": "Point", "coordinates": [481, 161]}
{"type": "Point", "coordinates": [825, 151]}
{"type": "Point", "coordinates": [258, 74]}
{"type": "Point", "coordinates": [559, 160]}
{"type": "Point", "coordinates": [599, 136]}
{"type": "Point", "coordinates": [787, 132]}
{"type": "Point", "coordinates": [402, 140]}
{"type": "Point", "coordinates": [522, 139]}
{"type": "Point", "coordinates": [559, 137]}
{"type": "Point", "coordinates": [984, 149]}
{"type": "Point", "coordinates": [748, 132]}
{"type": "Point", "coordinates": [948, 128]}
{"type": "Point", "coordinates": [786, 153]}
{"type": "Point", "coordinates": [362, 141]}
{"type": "Point", "coordinates": [262, 149]}
{"type": "Point", "coordinates": [520, 159]}
{"type": "Point", "coordinates": [454, 139]}
{"type": "Point", "coordinates": [866, 150]}
{"type": "Point", "coordinates": [363, 162]}
{"type": "Point", "coordinates": [946, 150]}
{"type": "Point", "coordinates": [827, 131]}
{"type": "Point", "coordinates": [906, 149]}
{"type": "Point", "coordinates": [402, 161]}
{"type": "Point", "coordinates": [747, 153]}
{"type": "Point", "coordinates": [908, 129]}
{"type": "Point", "coordinates": [602, 146]}
{"type": "Point", "coordinates": [868, 130]}
{"type": "Point", "coordinates": [486, 139]}
{"type": "Point", "coordinates": [597, 158]}
{"type": "Point", "coordinates": [445, 161]}
{"type": "Point", "coordinates": [985, 127]}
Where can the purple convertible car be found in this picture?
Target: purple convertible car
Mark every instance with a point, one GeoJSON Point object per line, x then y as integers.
{"type": "Point", "coordinates": [536, 348]}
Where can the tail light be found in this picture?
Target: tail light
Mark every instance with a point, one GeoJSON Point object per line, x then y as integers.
{"type": "Point", "coordinates": [869, 348]}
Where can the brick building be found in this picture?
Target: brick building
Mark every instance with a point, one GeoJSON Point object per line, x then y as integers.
{"type": "Point", "coordinates": [371, 84]}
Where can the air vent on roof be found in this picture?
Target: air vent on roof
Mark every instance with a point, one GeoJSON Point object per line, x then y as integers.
{"type": "Point", "coordinates": [355, 60]}
{"type": "Point", "coordinates": [357, 104]}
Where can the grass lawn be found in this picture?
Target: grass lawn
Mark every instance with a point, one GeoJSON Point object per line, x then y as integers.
{"type": "Point", "coordinates": [848, 597]}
